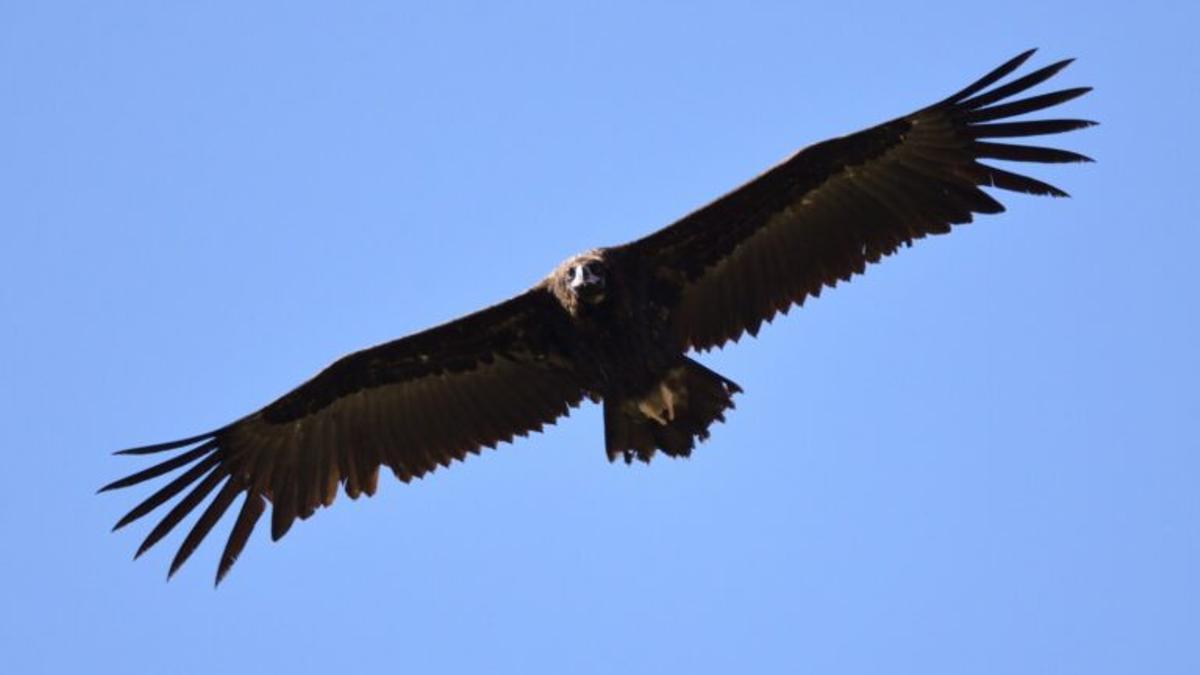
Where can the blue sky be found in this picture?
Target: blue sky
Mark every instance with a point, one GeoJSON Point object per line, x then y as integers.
{"type": "Point", "coordinates": [980, 457]}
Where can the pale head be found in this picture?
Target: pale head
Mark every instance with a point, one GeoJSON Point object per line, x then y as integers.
{"type": "Point", "coordinates": [584, 278]}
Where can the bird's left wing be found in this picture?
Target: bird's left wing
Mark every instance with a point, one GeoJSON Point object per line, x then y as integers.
{"type": "Point", "coordinates": [411, 404]}
{"type": "Point", "coordinates": [827, 211]}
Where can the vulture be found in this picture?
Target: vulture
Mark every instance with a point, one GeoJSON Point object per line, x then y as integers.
{"type": "Point", "coordinates": [613, 325]}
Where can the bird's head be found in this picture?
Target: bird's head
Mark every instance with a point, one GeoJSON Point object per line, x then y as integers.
{"type": "Point", "coordinates": [585, 278]}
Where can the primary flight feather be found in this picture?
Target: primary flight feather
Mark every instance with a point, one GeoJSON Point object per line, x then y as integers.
{"type": "Point", "coordinates": [612, 324]}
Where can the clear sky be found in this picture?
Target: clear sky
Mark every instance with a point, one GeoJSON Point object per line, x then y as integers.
{"type": "Point", "coordinates": [980, 457]}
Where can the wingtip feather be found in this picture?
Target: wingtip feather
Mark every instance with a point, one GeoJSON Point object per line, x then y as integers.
{"type": "Point", "coordinates": [991, 77]}
{"type": "Point", "coordinates": [168, 445]}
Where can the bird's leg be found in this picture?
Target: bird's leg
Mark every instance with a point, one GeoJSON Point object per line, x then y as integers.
{"type": "Point", "coordinates": [649, 409]}
{"type": "Point", "coordinates": [659, 406]}
{"type": "Point", "coordinates": [668, 399]}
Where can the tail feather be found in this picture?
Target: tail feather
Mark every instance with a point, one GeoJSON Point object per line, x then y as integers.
{"type": "Point", "coordinates": [671, 417]}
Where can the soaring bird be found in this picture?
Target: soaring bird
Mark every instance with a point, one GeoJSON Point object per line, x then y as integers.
{"type": "Point", "coordinates": [613, 325]}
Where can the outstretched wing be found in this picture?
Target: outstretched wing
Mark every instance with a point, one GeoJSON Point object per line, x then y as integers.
{"type": "Point", "coordinates": [823, 214]}
{"type": "Point", "coordinates": [411, 405]}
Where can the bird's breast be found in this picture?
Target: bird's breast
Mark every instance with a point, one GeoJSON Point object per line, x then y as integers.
{"type": "Point", "coordinates": [625, 349]}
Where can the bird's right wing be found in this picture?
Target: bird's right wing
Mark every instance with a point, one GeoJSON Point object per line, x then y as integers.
{"type": "Point", "coordinates": [410, 405]}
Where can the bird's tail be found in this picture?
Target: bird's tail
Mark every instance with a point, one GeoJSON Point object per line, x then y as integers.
{"type": "Point", "coordinates": [670, 417]}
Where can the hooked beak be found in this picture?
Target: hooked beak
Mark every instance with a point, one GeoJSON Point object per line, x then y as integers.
{"type": "Point", "coordinates": [584, 277]}
{"type": "Point", "coordinates": [586, 284]}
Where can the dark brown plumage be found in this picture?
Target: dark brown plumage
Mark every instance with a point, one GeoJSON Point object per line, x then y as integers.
{"type": "Point", "coordinates": [612, 324]}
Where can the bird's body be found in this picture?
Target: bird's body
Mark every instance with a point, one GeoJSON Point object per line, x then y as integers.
{"type": "Point", "coordinates": [654, 396]}
{"type": "Point", "coordinates": [622, 334]}
{"type": "Point", "coordinates": [613, 325]}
